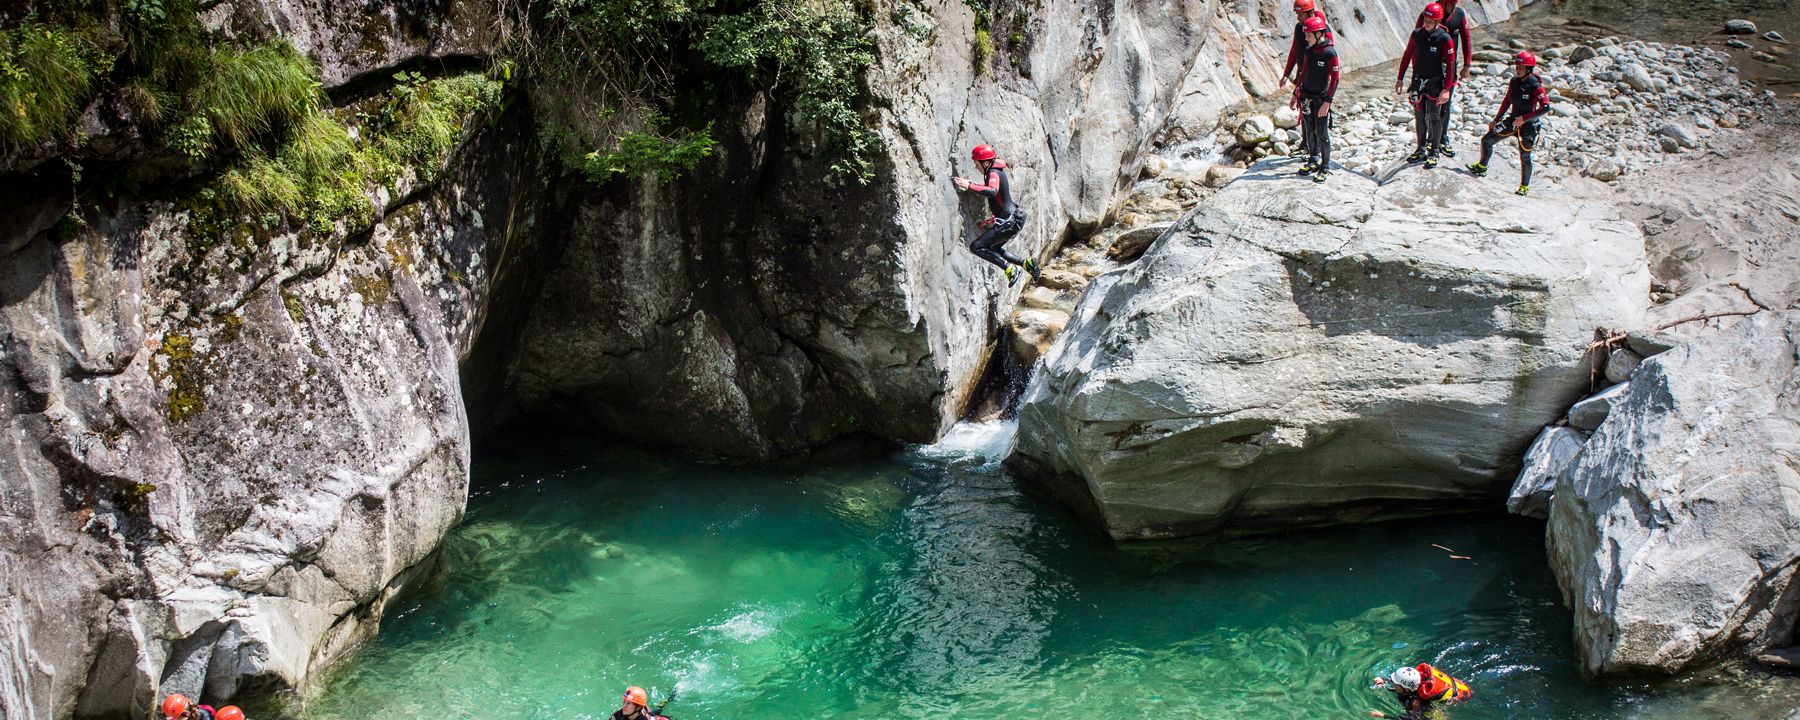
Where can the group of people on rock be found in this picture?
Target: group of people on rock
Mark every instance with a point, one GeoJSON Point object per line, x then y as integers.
{"type": "Point", "coordinates": [1432, 53]}
{"type": "Point", "coordinates": [1312, 67]}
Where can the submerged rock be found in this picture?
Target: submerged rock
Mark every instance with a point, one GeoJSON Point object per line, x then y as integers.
{"type": "Point", "coordinates": [1299, 354]}
{"type": "Point", "coordinates": [1676, 536]}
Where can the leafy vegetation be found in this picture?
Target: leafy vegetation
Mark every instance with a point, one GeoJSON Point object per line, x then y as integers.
{"type": "Point", "coordinates": [618, 110]}
{"type": "Point", "coordinates": [46, 74]}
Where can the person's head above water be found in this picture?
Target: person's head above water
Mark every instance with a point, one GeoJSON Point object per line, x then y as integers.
{"type": "Point", "coordinates": [1407, 678]}
{"type": "Point", "coordinates": [634, 699]}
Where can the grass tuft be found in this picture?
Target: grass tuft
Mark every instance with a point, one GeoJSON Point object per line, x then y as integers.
{"type": "Point", "coordinates": [45, 78]}
{"type": "Point", "coordinates": [250, 91]}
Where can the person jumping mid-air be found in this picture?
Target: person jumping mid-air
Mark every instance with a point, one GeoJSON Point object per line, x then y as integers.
{"type": "Point", "coordinates": [1312, 97]}
{"type": "Point", "coordinates": [1525, 101]}
{"type": "Point", "coordinates": [1005, 217]}
{"type": "Point", "coordinates": [1432, 55]}
{"type": "Point", "coordinates": [1423, 691]}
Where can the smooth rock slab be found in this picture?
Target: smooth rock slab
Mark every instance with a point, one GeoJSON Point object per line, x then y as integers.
{"type": "Point", "coordinates": [1296, 354]}
{"type": "Point", "coordinates": [1676, 535]}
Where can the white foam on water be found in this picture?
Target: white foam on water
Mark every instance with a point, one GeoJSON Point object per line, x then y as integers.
{"type": "Point", "coordinates": [990, 441]}
{"type": "Point", "coordinates": [748, 626]}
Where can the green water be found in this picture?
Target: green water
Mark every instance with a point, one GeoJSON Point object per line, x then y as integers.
{"type": "Point", "coordinates": [925, 584]}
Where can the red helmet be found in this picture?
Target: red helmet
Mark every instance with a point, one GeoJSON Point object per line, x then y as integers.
{"type": "Point", "coordinates": [229, 712]}
{"type": "Point", "coordinates": [1526, 58]}
{"type": "Point", "coordinates": [1314, 24]}
{"type": "Point", "coordinates": [1434, 11]}
{"type": "Point", "coordinates": [981, 152]}
{"type": "Point", "coordinates": [636, 694]}
{"type": "Point", "coordinates": [1303, 6]}
{"type": "Point", "coordinates": [175, 705]}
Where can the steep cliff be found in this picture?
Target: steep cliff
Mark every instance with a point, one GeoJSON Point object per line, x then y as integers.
{"type": "Point", "coordinates": [234, 431]}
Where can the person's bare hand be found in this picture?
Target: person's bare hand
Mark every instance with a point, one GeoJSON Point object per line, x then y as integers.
{"type": "Point", "coordinates": [1324, 109]}
{"type": "Point", "coordinates": [1444, 96]}
{"type": "Point", "coordinates": [960, 183]}
{"type": "Point", "coordinates": [1518, 123]}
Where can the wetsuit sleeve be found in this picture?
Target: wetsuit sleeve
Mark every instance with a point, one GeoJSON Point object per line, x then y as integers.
{"type": "Point", "coordinates": [1541, 99]}
{"type": "Point", "coordinates": [1294, 59]}
{"type": "Point", "coordinates": [1450, 63]}
{"type": "Point", "coordinates": [1406, 60]}
{"type": "Point", "coordinates": [1466, 54]}
{"type": "Point", "coordinates": [1331, 80]}
{"type": "Point", "coordinates": [991, 188]}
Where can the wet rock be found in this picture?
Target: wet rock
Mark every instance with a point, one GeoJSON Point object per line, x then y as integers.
{"type": "Point", "coordinates": [1218, 176]}
{"type": "Point", "coordinates": [1590, 413]}
{"type": "Point", "coordinates": [1740, 27]}
{"type": "Point", "coordinates": [1675, 537]}
{"type": "Point", "coordinates": [1553, 452]}
{"type": "Point", "coordinates": [1773, 36]}
{"type": "Point", "coordinates": [1034, 331]}
{"type": "Point", "coordinates": [1620, 363]}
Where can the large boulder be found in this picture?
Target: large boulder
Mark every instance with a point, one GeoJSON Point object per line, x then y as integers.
{"type": "Point", "coordinates": [1676, 536]}
{"type": "Point", "coordinates": [1297, 354]}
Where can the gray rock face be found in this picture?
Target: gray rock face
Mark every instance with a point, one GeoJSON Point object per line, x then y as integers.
{"type": "Point", "coordinates": [1550, 455]}
{"type": "Point", "coordinates": [228, 459]}
{"type": "Point", "coordinates": [1589, 413]}
{"type": "Point", "coordinates": [1296, 354]}
{"type": "Point", "coordinates": [1676, 535]}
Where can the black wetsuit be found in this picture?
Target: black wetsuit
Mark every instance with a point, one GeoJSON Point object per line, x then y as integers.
{"type": "Point", "coordinates": [1457, 24]}
{"type": "Point", "coordinates": [1317, 86]}
{"type": "Point", "coordinates": [1525, 99]}
{"type": "Point", "coordinates": [1008, 218]}
{"type": "Point", "coordinates": [1432, 55]}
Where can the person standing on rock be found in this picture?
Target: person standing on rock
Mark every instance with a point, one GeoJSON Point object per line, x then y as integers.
{"type": "Point", "coordinates": [1304, 11]}
{"type": "Point", "coordinates": [1312, 97]}
{"type": "Point", "coordinates": [1432, 55]}
{"type": "Point", "coordinates": [1422, 689]}
{"type": "Point", "coordinates": [1005, 217]}
{"type": "Point", "coordinates": [1524, 103]}
{"type": "Point", "coordinates": [1456, 22]}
